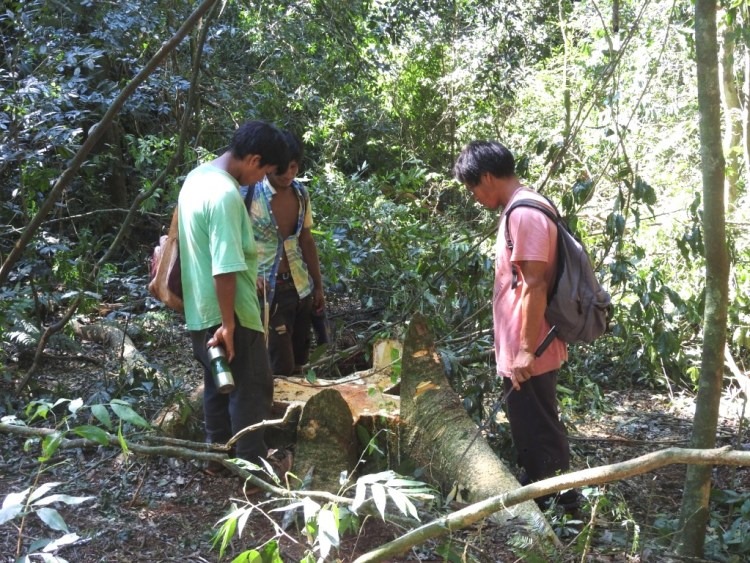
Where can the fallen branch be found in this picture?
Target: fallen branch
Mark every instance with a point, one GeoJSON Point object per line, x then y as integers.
{"type": "Point", "coordinates": [592, 476]}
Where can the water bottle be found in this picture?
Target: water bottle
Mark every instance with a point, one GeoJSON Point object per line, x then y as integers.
{"type": "Point", "coordinates": [220, 369]}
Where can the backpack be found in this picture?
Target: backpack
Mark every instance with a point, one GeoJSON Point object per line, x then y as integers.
{"type": "Point", "coordinates": [165, 277]}
{"type": "Point", "coordinates": [578, 307]}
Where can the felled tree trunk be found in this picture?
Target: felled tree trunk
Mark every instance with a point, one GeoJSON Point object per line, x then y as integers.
{"type": "Point", "coordinates": [115, 340]}
{"type": "Point", "coordinates": [441, 436]}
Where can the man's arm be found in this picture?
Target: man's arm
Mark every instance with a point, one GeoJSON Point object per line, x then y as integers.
{"type": "Point", "coordinates": [226, 287]}
{"type": "Point", "coordinates": [533, 305]}
{"type": "Point", "coordinates": [310, 256]}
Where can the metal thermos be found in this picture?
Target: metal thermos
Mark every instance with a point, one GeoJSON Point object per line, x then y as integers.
{"type": "Point", "coordinates": [220, 369]}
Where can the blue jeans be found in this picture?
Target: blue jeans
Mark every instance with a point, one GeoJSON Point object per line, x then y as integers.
{"type": "Point", "coordinates": [251, 400]}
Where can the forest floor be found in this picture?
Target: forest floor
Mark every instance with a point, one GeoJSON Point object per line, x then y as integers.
{"type": "Point", "coordinates": [161, 509]}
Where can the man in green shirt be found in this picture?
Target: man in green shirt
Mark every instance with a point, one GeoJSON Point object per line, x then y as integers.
{"type": "Point", "coordinates": [219, 268]}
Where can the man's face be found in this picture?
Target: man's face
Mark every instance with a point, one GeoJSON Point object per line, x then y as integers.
{"type": "Point", "coordinates": [484, 193]}
{"type": "Point", "coordinates": [252, 171]}
{"type": "Point", "coordinates": [285, 180]}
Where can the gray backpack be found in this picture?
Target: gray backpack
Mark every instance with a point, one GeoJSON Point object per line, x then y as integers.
{"type": "Point", "coordinates": [578, 308]}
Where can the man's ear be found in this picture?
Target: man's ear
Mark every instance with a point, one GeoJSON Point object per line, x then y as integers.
{"type": "Point", "coordinates": [252, 160]}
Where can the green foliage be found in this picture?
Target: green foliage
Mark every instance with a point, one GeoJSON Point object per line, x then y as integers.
{"type": "Point", "coordinates": [728, 532]}
{"type": "Point", "coordinates": [37, 501]}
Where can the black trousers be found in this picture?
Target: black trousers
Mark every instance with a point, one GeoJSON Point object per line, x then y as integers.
{"type": "Point", "coordinates": [289, 330]}
{"type": "Point", "coordinates": [538, 434]}
{"type": "Point", "coordinates": [251, 400]}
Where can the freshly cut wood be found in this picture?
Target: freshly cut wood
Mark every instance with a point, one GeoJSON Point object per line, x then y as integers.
{"type": "Point", "coordinates": [326, 442]}
{"type": "Point", "coordinates": [366, 393]}
{"type": "Point", "coordinates": [441, 436]}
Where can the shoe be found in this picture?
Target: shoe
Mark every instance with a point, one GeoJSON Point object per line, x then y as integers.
{"type": "Point", "coordinates": [570, 503]}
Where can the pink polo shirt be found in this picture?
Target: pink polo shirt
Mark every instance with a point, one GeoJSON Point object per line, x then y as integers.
{"type": "Point", "coordinates": [534, 239]}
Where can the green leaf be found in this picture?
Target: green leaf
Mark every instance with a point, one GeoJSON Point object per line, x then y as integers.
{"type": "Point", "coordinates": [123, 443]}
{"type": "Point", "coordinates": [102, 415]}
{"type": "Point", "coordinates": [67, 539]}
{"type": "Point", "coordinates": [328, 532]}
{"type": "Point", "coordinates": [66, 499]}
{"type": "Point", "coordinates": [14, 499]}
{"type": "Point", "coordinates": [379, 496]}
{"type": "Point", "coordinates": [225, 535]}
{"type": "Point", "coordinates": [42, 490]}
{"type": "Point", "coordinates": [360, 495]}
{"type": "Point", "coordinates": [50, 444]}
{"type": "Point", "coordinates": [7, 513]}
{"type": "Point", "coordinates": [93, 433]}
{"type": "Point", "coordinates": [311, 509]}
{"type": "Point", "coordinates": [52, 518]}
{"type": "Point", "coordinates": [251, 556]}
{"type": "Point", "coordinates": [75, 405]}
{"type": "Point", "coordinates": [127, 414]}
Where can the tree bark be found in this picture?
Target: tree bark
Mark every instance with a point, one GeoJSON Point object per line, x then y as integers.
{"type": "Point", "coordinates": [732, 114]}
{"type": "Point", "coordinates": [326, 444]}
{"type": "Point", "coordinates": [441, 436]}
{"type": "Point", "coordinates": [690, 540]}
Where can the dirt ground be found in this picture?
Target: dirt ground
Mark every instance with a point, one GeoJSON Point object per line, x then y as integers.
{"type": "Point", "coordinates": [162, 509]}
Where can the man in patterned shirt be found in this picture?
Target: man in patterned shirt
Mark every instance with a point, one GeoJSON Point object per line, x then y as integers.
{"type": "Point", "coordinates": [289, 279]}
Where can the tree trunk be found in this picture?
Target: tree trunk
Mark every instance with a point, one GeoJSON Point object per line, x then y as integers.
{"type": "Point", "coordinates": [441, 436]}
{"type": "Point", "coordinates": [690, 539]}
{"type": "Point", "coordinates": [326, 443]}
{"type": "Point", "coordinates": [732, 115]}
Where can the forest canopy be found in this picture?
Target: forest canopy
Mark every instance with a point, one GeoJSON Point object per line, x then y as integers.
{"type": "Point", "coordinates": [597, 100]}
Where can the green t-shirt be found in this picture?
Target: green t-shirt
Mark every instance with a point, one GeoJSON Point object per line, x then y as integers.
{"type": "Point", "coordinates": [216, 238]}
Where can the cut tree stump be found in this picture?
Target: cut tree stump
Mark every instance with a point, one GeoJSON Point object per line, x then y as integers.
{"type": "Point", "coordinates": [326, 442]}
{"type": "Point", "coordinates": [442, 437]}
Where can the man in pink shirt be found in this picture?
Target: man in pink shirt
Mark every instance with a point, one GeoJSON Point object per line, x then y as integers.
{"type": "Point", "coordinates": [523, 276]}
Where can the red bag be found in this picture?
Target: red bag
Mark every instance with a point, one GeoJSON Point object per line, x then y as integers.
{"type": "Point", "coordinates": [165, 279]}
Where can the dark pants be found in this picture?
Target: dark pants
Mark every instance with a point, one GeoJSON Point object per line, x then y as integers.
{"type": "Point", "coordinates": [249, 403]}
{"type": "Point", "coordinates": [538, 434]}
{"type": "Point", "coordinates": [289, 334]}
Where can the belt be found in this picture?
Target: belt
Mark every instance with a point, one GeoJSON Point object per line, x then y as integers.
{"type": "Point", "coordinates": [285, 277]}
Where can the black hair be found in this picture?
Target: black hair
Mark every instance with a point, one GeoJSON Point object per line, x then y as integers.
{"type": "Point", "coordinates": [296, 150]}
{"type": "Point", "coordinates": [480, 157]}
{"type": "Point", "coordinates": [263, 139]}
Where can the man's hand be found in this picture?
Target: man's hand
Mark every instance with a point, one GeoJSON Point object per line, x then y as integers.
{"type": "Point", "coordinates": [522, 369]}
{"type": "Point", "coordinates": [224, 337]}
{"type": "Point", "coordinates": [319, 300]}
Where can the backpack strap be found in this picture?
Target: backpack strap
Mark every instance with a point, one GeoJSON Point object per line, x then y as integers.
{"type": "Point", "coordinates": [552, 214]}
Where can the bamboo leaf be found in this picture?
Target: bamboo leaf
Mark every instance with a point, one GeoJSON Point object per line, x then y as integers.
{"type": "Point", "coordinates": [52, 518]}
{"type": "Point", "coordinates": [379, 496]}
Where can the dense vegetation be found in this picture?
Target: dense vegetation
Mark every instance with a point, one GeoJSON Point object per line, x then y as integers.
{"type": "Point", "coordinates": [596, 99]}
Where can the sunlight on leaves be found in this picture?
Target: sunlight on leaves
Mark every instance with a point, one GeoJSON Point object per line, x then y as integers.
{"type": "Point", "coordinates": [328, 533]}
